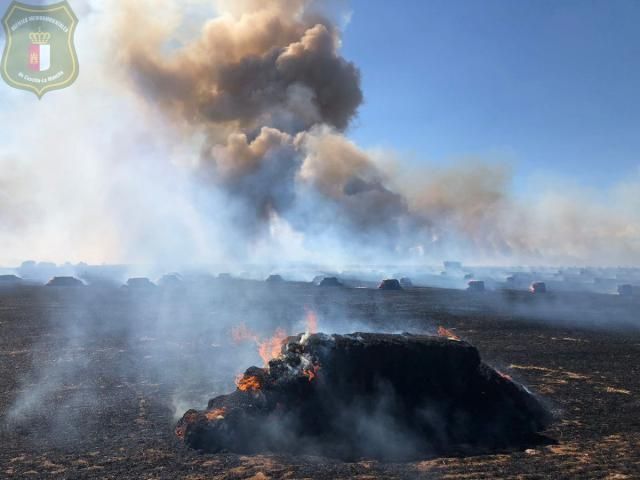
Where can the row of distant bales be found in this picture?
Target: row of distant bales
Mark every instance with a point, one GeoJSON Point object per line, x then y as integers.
{"type": "Point", "coordinates": [175, 280]}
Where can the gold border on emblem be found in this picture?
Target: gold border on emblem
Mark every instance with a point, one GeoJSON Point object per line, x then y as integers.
{"type": "Point", "coordinates": [64, 6]}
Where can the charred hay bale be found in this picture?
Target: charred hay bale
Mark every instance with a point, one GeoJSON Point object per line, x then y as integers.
{"type": "Point", "coordinates": [170, 280]}
{"type": "Point", "coordinates": [378, 395]}
{"type": "Point", "coordinates": [140, 283]}
{"type": "Point", "coordinates": [275, 278]}
{"type": "Point", "coordinates": [476, 286]}
{"type": "Point", "coordinates": [330, 282]}
{"type": "Point", "coordinates": [406, 282]}
{"type": "Point", "coordinates": [10, 280]}
{"type": "Point", "coordinates": [390, 284]}
{"type": "Point", "coordinates": [65, 282]}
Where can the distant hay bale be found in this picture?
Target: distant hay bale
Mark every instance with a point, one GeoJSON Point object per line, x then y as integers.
{"type": "Point", "coordinates": [406, 282]}
{"type": "Point", "coordinates": [452, 265]}
{"type": "Point", "coordinates": [140, 283]}
{"type": "Point", "coordinates": [65, 282]}
{"type": "Point", "coordinates": [274, 279]}
{"type": "Point", "coordinates": [625, 290]}
{"type": "Point", "coordinates": [538, 287]}
{"type": "Point", "coordinates": [10, 280]}
{"type": "Point", "coordinates": [170, 280]}
{"type": "Point", "coordinates": [330, 282]}
{"type": "Point", "coordinates": [390, 284]}
{"type": "Point", "coordinates": [476, 286]}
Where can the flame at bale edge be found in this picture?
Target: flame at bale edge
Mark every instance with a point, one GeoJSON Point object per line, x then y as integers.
{"type": "Point", "coordinates": [445, 332]}
{"type": "Point", "coordinates": [267, 349]}
{"type": "Point", "coordinates": [215, 414]}
{"type": "Point", "coordinates": [190, 417]}
{"type": "Point", "coordinates": [270, 348]}
{"type": "Point", "coordinates": [311, 321]}
{"type": "Point", "coordinates": [248, 383]}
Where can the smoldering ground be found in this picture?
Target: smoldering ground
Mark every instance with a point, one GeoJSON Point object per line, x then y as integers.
{"type": "Point", "coordinates": [119, 357]}
{"type": "Point", "coordinates": [175, 344]}
{"type": "Point", "coordinates": [102, 349]}
{"type": "Point", "coordinates": [128, 432]}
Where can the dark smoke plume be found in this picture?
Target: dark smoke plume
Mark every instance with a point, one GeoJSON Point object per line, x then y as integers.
{"type": "Point", "coordinates": [265, 86]}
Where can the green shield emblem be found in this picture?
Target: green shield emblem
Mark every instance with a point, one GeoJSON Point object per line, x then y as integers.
{"type": "Point", "coordinates": [39, 54]}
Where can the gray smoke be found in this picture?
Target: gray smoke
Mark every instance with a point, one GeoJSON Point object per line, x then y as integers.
{"type": "Point", "coordinates": [267, 87]}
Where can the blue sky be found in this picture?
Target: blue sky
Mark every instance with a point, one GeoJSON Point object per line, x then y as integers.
{"type": "Point", "coordinates": [552, 85]}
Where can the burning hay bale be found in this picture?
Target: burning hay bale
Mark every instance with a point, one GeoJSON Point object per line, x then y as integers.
{"type": "Point", "coordinates": [538, 287]}
{"type": "Point", "coordinates": [65, 282]}
{"type": "Point", "coordinates": [375, 395]}
{"type": "Point", "coordinates": [390, 284]}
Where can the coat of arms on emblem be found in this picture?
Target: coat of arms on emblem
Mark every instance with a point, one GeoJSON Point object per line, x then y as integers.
{"type": "Point", "coordinates": [39, 54]}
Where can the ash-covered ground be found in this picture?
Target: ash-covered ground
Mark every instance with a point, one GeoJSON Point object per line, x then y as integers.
{"type": "Point", "coordinates": [92, 380]}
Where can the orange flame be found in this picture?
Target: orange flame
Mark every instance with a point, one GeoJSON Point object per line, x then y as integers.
{"type": "Point", "coordinates": [248, 383]}
{"type": "Point", "coordinates": [311, 321]}
{"type": "Point", "coordinates": [271, 347]}
{"type": "Point", "coordinates": [312, 372]}
{"type": "Point", "coordinates": [215, 414]}
{"type": "Point", "coordinates": [268, 349]}
{"type": "Point", "coordinates": [444, 332]}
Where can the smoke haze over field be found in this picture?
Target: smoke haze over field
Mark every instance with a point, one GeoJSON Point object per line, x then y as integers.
{"type": "Point", "coordinates": [208, 135]}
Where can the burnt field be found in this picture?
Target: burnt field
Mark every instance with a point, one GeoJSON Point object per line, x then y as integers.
{"type": "Point", "coordinates": [93, 380]}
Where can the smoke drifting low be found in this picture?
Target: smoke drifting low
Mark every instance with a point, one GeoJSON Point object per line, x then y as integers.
{"type": "Point", "coordinates": [222, 136]}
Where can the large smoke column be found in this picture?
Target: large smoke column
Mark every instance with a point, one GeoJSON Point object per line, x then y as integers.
{"type": "Point", "coordinates": [267, 87]}
{"type": "Point", "coordinates": [272, 95]}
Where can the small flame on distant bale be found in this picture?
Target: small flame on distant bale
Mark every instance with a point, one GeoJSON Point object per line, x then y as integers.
{"type": "Point", "coordinates": [538, 287]}
{"type": "Point", "coordinates": [444, 332]}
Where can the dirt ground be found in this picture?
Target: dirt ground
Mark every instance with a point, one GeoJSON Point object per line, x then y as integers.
{"type": "Point", "coordinates": [93, 379]}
